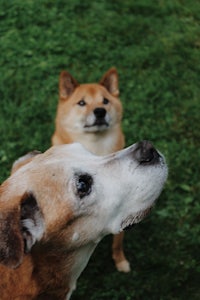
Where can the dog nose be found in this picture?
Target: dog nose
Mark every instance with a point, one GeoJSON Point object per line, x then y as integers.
{"type": "Point", "coordinates": [100, 112]}
{"type": "Point", "coordinates": [145, 153]}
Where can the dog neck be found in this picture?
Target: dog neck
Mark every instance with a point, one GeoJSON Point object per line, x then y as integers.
{"type": "Point", "coordinates": [99, 143]}
{"type": "Point", "coordinates": [57, 270]}
{"type": "Point", "coordinates": [48, 272]}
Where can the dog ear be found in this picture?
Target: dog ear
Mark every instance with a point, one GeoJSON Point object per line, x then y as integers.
{"type": "Point", "coordinates": [31, 219]}
{"type": "Point", "coordinates": [11, 240]}
{"type": "Point", "coordinates": [67, 85]}
{"type": "Point", "coordinates": [110, 82]}
{"type": "Point", "coordinates": [20, 228]}
{"type": "Point", "coordinates": [24, 160]}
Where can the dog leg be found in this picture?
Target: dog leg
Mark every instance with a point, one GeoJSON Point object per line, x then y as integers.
{"type": "Point", "coordinates": [118, 255]}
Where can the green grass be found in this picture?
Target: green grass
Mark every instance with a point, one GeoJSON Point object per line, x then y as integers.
{"type": "Point", "coordinates": [155, 46]}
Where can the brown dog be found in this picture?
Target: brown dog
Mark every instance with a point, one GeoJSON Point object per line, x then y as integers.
{"type": "Point", "coordinates": [91, 115]}
{"type": "Point", "coordinates": [57, 206]}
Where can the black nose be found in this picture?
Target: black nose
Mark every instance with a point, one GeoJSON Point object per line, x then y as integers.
{"type": "Point", "coordinates": [100, 112]}
{"type": "Point", "coordinates": [145, 153]}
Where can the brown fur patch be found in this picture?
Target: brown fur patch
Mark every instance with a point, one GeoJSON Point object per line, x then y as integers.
{"type": "Point", "coordinates": [11, 242]}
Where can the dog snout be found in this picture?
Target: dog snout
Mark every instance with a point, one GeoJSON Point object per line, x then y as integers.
{"type": "Point", "coordinates": [145, 153]}
{"type": "Point", "coordinates": [99, 112]}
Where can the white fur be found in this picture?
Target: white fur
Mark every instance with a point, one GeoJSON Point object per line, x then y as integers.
{"type": "Point", "coordinates": [75, 237]}
{"type": "Point", "coordinates": [35, 227]}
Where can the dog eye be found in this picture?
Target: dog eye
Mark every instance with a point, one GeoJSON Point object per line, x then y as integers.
{"type": "Point", "coordinates": [84, 185]}
{"type": "Point", "coordinates": [82, 103]}
{"type": "Point", "coordinates": [105, 101]}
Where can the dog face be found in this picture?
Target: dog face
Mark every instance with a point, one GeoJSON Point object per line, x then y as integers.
{"type": "Point", "coordinates": [89, 107]}
{"type": "Point", "coordinates": [75, 198]}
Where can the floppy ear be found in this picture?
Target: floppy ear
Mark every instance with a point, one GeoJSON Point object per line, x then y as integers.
{"type": "Point", "coordinates": [32, 222]}
{"type": "Point", "coordinates": [11, 240]}
{"type": "Point", "coordinates": [24, 160]}
{"type": "Point", "coordinates": [67, 85]}
{"type": "Point", "coordinates": [110, 82]}
{"type": "Point", "coordinates": [20, 228]}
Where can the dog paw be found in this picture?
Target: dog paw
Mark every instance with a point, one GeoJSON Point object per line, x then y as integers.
{"type": "Point", "coordinates": [123, 266]}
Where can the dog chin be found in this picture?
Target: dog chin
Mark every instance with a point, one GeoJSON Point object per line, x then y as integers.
{"type": "Point", "coordinates": [96, 128]}
{"type": "Point", "coordinates": [129, 222]}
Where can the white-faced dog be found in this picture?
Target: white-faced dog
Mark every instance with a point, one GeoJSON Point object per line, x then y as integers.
{"type": "Point", "coordinates": [57, 206]}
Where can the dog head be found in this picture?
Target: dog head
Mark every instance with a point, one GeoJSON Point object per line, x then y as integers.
{"type": "Point", "coordinates": [73, 198]}
{"type": "Point", "coordinates": [89, 107]}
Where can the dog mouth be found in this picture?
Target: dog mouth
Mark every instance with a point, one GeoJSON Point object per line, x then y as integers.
{"type": "Point", "coordinates": [131, 220]}
{"type": "Point", "coordinates": [98, 123]}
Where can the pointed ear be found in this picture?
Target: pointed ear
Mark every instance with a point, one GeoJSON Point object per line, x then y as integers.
{"type": "Point", "coordinates": [110, 82]}
{"type": "Point", "coordinates": [67, 85]}
{"type": "Point", "coordinates": [20, 228]}
{"type": "Point", "coordinates": [24, 160]}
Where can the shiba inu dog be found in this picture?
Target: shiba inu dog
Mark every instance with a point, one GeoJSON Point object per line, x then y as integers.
{"type": "Point", "coordinates": [91, 115]}
{"type": "Point", "coordinates": [56, 207]}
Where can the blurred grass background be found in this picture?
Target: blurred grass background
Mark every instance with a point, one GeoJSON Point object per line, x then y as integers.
{"type": "Point", "coordinates": [155, 45]}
